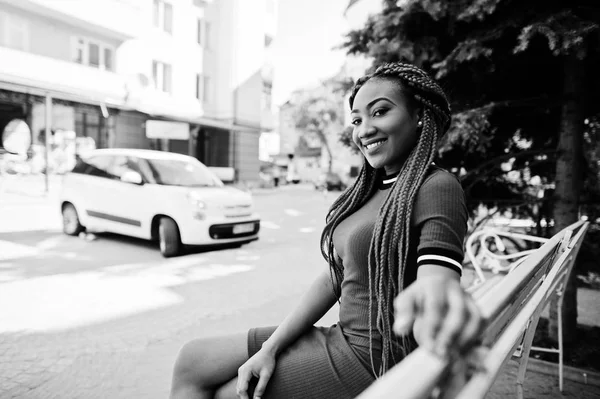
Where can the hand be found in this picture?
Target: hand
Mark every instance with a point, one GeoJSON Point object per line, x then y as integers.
{"type": "Point", "coordinates": [442, 315]}
{"type": "Point", "coordinates": [261, 365]}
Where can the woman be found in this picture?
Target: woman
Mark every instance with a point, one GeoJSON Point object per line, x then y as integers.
{"type": "Point", "coordinates": [403, 220]}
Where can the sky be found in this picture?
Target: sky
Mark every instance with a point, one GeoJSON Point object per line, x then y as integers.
{"type": "Point", "coordinates": [307, 31]}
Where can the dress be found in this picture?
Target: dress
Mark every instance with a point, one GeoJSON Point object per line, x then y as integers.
{"type": "Point", "coordinates": [334, 362]}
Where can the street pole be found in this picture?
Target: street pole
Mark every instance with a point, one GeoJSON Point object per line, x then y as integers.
{"type": "Point", "coordinates": [47, 139]}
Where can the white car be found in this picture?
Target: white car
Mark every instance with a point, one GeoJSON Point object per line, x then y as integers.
{"type": "Point", "coordinates": [155, 195]}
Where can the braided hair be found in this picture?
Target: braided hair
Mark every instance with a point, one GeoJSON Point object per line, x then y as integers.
{"type": "Point", "coordinates": [390, 241]}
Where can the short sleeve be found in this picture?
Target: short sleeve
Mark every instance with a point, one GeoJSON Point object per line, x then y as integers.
{"type": "Point", "coordinates": [440, 221]}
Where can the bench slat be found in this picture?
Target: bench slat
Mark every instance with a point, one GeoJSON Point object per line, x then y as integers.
{"type": "Point", "coordinates": [509, 303]}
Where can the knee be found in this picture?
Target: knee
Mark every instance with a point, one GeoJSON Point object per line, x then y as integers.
{"type": "Point", "coordinates": [188, 365]}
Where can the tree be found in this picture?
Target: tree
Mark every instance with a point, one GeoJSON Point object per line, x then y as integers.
{"type": "Point", "coordinates": [517, 74]}
{"type": "Point", "coordinates": [319, 113]}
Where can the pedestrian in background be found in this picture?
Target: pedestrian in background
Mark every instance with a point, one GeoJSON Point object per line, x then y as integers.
{"type": "Point", "coordinates": [276, 175]}
{"type": "Point", "coordinates": [398, 230]}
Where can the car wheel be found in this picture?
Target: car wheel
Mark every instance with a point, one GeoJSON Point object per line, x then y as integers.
{"type": "Point", "coordinates": [169, 240]}
{"type": "Point", "coordinates": [70, 218]}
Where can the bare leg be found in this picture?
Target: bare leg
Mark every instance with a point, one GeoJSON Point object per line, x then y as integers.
{"type": "Point", "coordinates": [204, 365]}
{"type": "Point", "coordinates": [229, 391]}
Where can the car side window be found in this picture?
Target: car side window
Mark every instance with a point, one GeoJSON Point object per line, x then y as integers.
{"type": "Point", "coordinates": [122, 164]}
{"type": "Point", "coordinates": [93, 166]}
{"type": "Point", "coordinates": [80, 167]}
{"type": "Point", "coordinates": [145, 170]}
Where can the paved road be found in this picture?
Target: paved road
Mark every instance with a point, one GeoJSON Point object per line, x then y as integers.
{"type": "Point", "coordinates": [105, 318]}
{"type": "Point", "coordinates": [75, 313]}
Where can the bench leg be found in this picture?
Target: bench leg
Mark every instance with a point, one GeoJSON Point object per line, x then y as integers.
{"type": "Point", "coordinates": [525, 350]}
{"type": "Point", "coordinates": [560, 344]}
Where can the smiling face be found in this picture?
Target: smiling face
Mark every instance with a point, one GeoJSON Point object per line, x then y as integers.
{"type": "Point", "coordinates": [385, 129]}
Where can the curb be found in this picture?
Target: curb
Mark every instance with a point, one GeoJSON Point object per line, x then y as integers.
{"type": "Point", "coordinates": [574, 374]}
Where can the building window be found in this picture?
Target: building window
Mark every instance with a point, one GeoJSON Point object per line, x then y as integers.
{"type": "Point", "coordinates": [163, 15]}
{"type": "Point", "coordinates": [92, 53]}
{"type": "Point", "coordinates": [203, 33]}
{"type": "Point", "coordinates": [156, 13]}
{"type": "Point", "coordinates": [14, 32]}
{"type": "Point", "coordinates": [79, 50]}
{"type": "Point", "coordinates": [168, 18]}
{"type": "Point", "coordinates": [203, 88]}
{"type": "Point", "coordinates": [94, 59]}
{"type": "Point", "coordinates": [108, 59]}
{"type": "Point", "coordinates": [198, 87]}
{"type": "Point", "coordinates": [267, 97]}
{"type": "Point", "coordinates": [161, 72]}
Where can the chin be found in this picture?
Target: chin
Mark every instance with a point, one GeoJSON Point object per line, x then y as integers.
{"type": "Point", "coordinates": [375, 163]}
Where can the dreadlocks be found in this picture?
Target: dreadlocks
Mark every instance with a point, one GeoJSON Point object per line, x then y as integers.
{"type": "Point", "coordinates": [390, 242]}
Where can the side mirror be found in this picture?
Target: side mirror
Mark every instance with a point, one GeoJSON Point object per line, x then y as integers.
{"type": "Point", "coordinates": [132, 177]}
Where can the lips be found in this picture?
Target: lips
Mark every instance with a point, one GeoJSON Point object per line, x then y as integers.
{"type": "Point", "coordinates": [374, 144]}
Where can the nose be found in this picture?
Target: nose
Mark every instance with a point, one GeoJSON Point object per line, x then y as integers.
{"type": "Point", "coordinates": [365, 131]}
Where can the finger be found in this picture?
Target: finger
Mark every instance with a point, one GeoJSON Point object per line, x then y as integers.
{"type": "Point", "coordinates": [242, 384]}
{"type": "Point", "coordinates": [472, 327]}
{"type": "Point", "coordinates": [418, 333]}
{"type": "Point", "coordinates": [453, 321]}
{"type": "Point", "coordinates": [262, 384]}
{"type": "Point", "coordinates": [431, 312]}
{"type": "Point", "coordinates": [405, 310]}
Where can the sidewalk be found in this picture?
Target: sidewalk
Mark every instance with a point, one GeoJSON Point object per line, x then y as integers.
{"type": "Point", "coordinates": [26, 206]}
{"type": "Point", "coordinates": [143, 369]}
{"type": "Point", "coordinates": [28, 186]}
{"type": "Point", "coordinates": [540, 384]}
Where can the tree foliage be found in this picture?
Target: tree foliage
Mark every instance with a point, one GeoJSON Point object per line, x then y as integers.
{"type": "Point", "coordinates": [520, 75]}
{"type": "Point", "coordinates": [318, 113]}
{"type": "Point", "coordinates": [500, 61]}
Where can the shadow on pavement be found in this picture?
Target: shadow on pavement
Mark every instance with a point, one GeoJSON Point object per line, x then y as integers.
{"type": "Point", "coordinates": [153, 245]}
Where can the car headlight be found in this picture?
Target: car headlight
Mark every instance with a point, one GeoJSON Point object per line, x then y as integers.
{"type": "Point", "coordinates": [196, 200]}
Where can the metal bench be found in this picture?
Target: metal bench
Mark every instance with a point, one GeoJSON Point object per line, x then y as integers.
{"type": "Point", "coordinates": [500, 260]}
{"type": "Point", "coordinates": [511, 304]}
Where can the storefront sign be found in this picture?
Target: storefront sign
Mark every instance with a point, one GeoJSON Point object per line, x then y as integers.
{"type": "Point", "coordinates": [167, 130]}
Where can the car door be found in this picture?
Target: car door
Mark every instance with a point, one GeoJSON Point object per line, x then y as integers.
{"type": "Point", "coordinates": [91, 191]}
{"type": "Point", "coordinates": [125, 209]}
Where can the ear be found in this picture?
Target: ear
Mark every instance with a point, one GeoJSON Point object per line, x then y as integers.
{"type": "Point", "coordinates": [419, 113]}
{"type": "Point", "coordinates": [418, 116]}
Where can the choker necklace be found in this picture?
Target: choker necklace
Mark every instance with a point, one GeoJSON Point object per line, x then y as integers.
{"type": "Point", "coordinates": [387, 181]}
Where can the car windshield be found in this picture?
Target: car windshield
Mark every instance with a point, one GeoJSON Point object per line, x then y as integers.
{"type": "Point", "coordinates": [182, 173]}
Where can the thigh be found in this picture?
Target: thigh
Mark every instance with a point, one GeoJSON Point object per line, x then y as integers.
{"type": "Point", "coordinates": [211, 362]}
{"type": "Point", "coordinates": [318, 365]}
{"type": "Point", "coordinates": [229, 391]}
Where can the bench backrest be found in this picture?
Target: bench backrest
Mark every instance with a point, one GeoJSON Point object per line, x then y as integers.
{"type": "Point", "coordinates": [509, 303]}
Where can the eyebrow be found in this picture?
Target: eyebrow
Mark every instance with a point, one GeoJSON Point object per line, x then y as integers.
{"type": "Point", "coordinates": [369, 105]}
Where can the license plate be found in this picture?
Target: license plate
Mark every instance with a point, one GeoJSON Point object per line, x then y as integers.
{"type": "Point", "coordinates": [243, 228]}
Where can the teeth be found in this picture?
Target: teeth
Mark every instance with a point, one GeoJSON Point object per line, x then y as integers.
{"type": "Point", "coordinates": [373, 145]}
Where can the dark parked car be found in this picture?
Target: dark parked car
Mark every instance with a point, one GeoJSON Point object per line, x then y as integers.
{"type": "Point", "coordinates": [330, 181]}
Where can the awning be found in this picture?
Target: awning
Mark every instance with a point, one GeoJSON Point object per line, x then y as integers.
{"type": "Point", "coordinates": [100, 101]}
{"type": "Point", "coordinates": [208, 122]}
{"type": "Point", "coordinates": [62, 95]}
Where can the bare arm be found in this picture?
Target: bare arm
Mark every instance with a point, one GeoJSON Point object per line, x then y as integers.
{"type": "Point", "coordinates": [314, 304]}
{"type": "Point", "coordinates": [442, 315]}
{"type": "Point", "coordinates": [435, 308]}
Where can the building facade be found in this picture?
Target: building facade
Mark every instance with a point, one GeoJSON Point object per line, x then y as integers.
{"type": "Point", "coordinates": [356, 15]}
{"type": "Point", "coordinates": [116, 70]}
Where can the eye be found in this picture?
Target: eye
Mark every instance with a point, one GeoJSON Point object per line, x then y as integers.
{"type": "Point", "coordinates": [355, 122]}
{"type": "Point", "coordinates": [380, 112]}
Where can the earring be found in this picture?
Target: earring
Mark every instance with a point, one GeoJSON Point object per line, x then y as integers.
{"type": "Point", "coordinates": [420, 124]}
